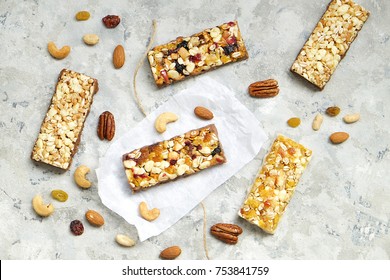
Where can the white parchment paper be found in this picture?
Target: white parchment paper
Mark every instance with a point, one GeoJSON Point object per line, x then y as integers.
{"type": "Point", "coordinates": [239, 133]}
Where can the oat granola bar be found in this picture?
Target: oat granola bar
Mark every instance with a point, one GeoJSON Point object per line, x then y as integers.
{"type": "Point", "coordinates": [61, 128]}
{"type": "Point", "coordinates": [177, 157]}
{"type": "Point", "coordinates": [275, 184]}
{"type": "Point", "coordinates": [201, 52]}
{"type": "Point", "coordinates": [330, 41]}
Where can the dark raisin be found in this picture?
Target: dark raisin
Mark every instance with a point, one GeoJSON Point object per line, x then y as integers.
{"type": "Point", "coordinates": [228, 49]}
{"type": "Point", "coordinates": [217, 150]}
{"type": "Point", "coordinates": [172, 51]}
{"type": "Point", "coordinates": [77, 227]}
{"type": "Point", "coordinates": [180, 67]}
{"type": "Point", "coordinates": [188, 142]}
{"type": "Point", "coordinates": [172, 161]}
{"type": "Point", "coordinates": [111, 21]}
{"type": "Point", "coordinates": [193, 157]}
{"type": "Point", "coordinates": [199, 147]}
{"type": "Point", "coordinates": [183, 44]}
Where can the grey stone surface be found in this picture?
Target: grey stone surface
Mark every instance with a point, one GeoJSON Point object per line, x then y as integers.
{"type": "Point", "coordinates": [341, 206]}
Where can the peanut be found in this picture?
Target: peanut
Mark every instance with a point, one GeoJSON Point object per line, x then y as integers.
{"type": "Point", "coordinates": [317, 122]}
{"type": "Point", "coordinates": [351, 118]}
{"type": "Point", "coordinates": [91, 39]}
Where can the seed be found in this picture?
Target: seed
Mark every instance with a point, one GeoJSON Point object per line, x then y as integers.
{"type": "Point", "coordinates": [294, 122]}
{"type": "Point", "coordinates": [333, 111]}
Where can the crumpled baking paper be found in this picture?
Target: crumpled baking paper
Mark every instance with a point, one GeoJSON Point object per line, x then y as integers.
{"type": "Point", "coordinates": [240, 135]}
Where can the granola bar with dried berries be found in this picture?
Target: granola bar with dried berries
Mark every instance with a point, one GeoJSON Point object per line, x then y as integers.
{"type": "Point", "coordinates": [177, 157]}
{"type": "Point", "coordinates": [275, 184]}
{"type": "Point", "coordinates": [196, 54]}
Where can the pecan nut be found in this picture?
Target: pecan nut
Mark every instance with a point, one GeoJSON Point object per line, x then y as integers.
{"type": "Point", "coordinates": [264, 89]}
{"type": "Point", "coordinates": [227, 233]}
{"type": "Point", "coordinates": [106, 126]}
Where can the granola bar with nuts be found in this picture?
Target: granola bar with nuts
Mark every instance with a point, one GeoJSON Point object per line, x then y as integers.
{"type": "Point", "coordinates": [177, 157]}
{"type": "Point", "coordinates": [329, 41]}
{"type": "Point", "coordinates": [196, 54]}
{"type": "Point", "coordinates": [275, 184]}
{"type": "Point", "coordinates": [63, 124]}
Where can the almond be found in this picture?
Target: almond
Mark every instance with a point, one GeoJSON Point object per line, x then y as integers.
{"type": "Point", "coordinates": [170, 253]}
{"type": "Point", "coordinates": [203, 113]}
{"type": "Point", "coordinates": [118, 57]}
{"type": "Point", "coordinates": [338, 137]}
{"type": "Point", "coordinates": [94, 218]}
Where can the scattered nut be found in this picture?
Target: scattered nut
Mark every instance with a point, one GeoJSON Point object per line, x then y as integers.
{"type": "Point", "coordinates": [118, 57]}
{"type": "Point", "coordinates": [294, 122]}
{"type": "Point", "coordinates": [59, 195]}
{"type": "Point", "coordinates": [170, 253]}
{"type": "Point", "coordinates": [333, 111]}
{"type": "Point", "coordinates": [77, 227]}
{"type": "Point", "coordinates": [58, 53]}
{"type": "Point", "coordinates": [317, 122]}
{"type": "Point", "coordinates": [163, 119]}
{"type": "Point", "coordinates": [94, 218]}
{"type": "Point", "coordinates": [91, 39]}
{"type": "Point", "coordinates": [227, 233]}
{"type": "Point", "coordinates": [42, 209]}
{"type": "Point", "coordinates": [106, 126]}
{"type": "Point", "coordinates": [79, 177]}
{"type": "Point", "coordinates": [124, 240]}
{"type": "Point", "coordinates": [111, 21]}
{"type": "Point", "coordinates": [338, 137]}
{"type": "Point", "coordinates": [82, 15]}
{"type": "Point", "coordinates": [149, 215]}
{"type": "Point", "coordinates": [264, 89]}
{"type": "Point", "coordinates": [351, 118]}
{"type": "Point", "coordinates": [203, 113]}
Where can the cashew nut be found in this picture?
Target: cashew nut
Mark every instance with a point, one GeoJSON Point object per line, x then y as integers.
{"type": "Point", "coordinates": [124, 240]}
{"type": "Point", "coordinates": [41, 208]}
{"type": "Point", "coordinates": [58, 53]}
{"type": "Point", "coordinates": [79, 177]}
{"type": "Point", "coordinates": [149, 215]}
{"type": "Point", "coordinates": [162, 120]}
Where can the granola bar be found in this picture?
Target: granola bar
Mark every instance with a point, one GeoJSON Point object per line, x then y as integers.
{"type": "Point", "coordinates": [275, 184]}
{"type": "Point", "coordinates": [177, 157]}
{"type": "Point", "coordinates": [201, 52]}
{"type": "Point", "coordinates": [330, 41]}
{"type": "Point", "coordinates": [61, 128]}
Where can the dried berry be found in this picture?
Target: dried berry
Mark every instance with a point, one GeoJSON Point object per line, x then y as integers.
{"type": "Point", "coordinates": [217, 150]}
{"type": "Point", "coordinates": [195, 58]}
{"type": "Point", "coordinates": [228, 49]}
{"type": "Point", "coordinates": [59, 195]}
{"type": "Point", "coordinates": [111, 21]}
{"type": "Point", "coordinates": [77, 227]}
{"type": "Point", "coordinates": [82, 15]}
{"type": "Point", "coordinates": [183, 44]}
{"type": "Point", "coordinates": [294, 122]}
{"type": "Point", "coordinates": [333, 111]}
{"type": "Point", "coordinates": [180, 67]}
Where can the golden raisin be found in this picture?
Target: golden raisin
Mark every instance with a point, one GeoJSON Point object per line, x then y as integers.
{"type": "Point", "coordinates": [333, 111]}
{"type": "Point", "coordinates": [294, 122]}
{"type": "Point", "coordinates": [82, 15]}
{"type": "Point", "coordinates": [59, 195]}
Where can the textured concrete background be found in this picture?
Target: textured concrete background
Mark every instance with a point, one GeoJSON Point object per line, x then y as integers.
{"type": "Point", "coordinates": [341, 207]}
